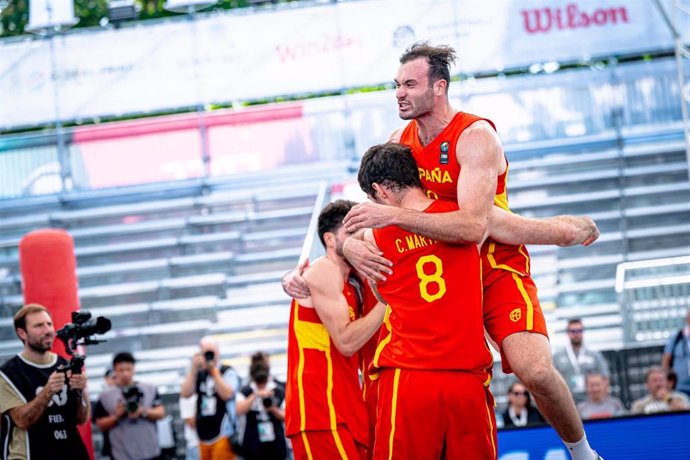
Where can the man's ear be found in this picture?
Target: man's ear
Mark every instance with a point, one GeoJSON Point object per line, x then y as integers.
{"type": "Point", "coordinates": [21, 333]}
{"type": "Point", "coordinates": [329, 239]}
{"type": "Point", "coordinates": [440, 87]}
{"type": "Point", "coordinates": [380, 190]}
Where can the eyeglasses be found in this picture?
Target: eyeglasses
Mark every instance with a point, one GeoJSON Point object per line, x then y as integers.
{"type": "Point", "coordinates": [575, 331]}
{"type": "Point", "coordinates": [519, 393]}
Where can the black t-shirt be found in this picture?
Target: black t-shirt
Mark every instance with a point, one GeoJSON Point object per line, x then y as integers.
{"type": "Point", "coordinates": [55, 434]}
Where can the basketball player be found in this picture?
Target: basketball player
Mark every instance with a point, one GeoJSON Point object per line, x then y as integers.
{"type": "Point", "coordinates": [433, 396]}
{"type": "Point", "coordinates": [460, 159]}
{"type": "Point", "coordinates": [325, 413]}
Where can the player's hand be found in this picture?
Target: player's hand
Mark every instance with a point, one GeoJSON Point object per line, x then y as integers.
{"type": "Point", "coordinates": [586, 231]}
{"type": "Point", "coordinates": [369, 215]}
{"type": "Point", "coordinates": [293, 283]}
{"type": "Point", "coordinates": [590, 230]}
{"type": "Point", "coordinates": [77, 381]}
{"type": "Point", "coordinates": [367, 259]}
{"type": "Point", "coordinates": [583, 230]}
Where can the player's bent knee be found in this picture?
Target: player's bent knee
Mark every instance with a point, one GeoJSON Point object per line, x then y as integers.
{"type": "Point", "coordinates": [538, 376]}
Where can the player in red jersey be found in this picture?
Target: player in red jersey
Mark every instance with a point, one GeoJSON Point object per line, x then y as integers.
{"type": "Point", "coordinates": [460, 159]}
{"type": "Point", "coordinates": [325, 413]}
{"type": "Point", "coordinates": [435, 365]}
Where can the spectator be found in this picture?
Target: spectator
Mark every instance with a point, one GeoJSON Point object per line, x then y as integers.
{"type": "Point", "coordinates": [188, 416]}
{"type": "Point", "coordinates": [41, 406]}
{"type": "Point", "coordinates": [677, 356]}
{"type": "Point", "coordinates": [215, 385]}
{"type": "Point", "coordinates": [262, 402]}
{"type": "Point", "coordinates": [660, 398]}
{"type": "Point", "coordinates": [575, 361]}
{"type": "Point", "coordinates": [599, 403]}
{"type": "Point", "coordinates": [108, 382]}
{"type": "Point", "coordinates": [128, 413]}
{"type": "Point", "coordinates": [672, 379]}
{"type": "Point", "coordinates": [520, 411]}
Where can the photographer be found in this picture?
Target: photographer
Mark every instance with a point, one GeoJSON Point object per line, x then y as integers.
{"type": "Point", "coordinates": [128, 413]}
{"type": "Point", "coordinates": [261, 402]}
{"type": "Point", "coordinates": [41, 406]}
{"type": "Point", "coordinates": [215, 386]}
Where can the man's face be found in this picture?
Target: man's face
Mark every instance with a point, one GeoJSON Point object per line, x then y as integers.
{"type": "Point", "coordinates": [596, 388]}
{"type": "Point", "coordinates": [340, 236]}
{"type": "Point", "coordinates": [414, 93]}
{"type": "Point", "coordinates": [575, 331]}
{"type": "Point", "coordinates": [655, 382]}
{"type": "Point", "coordinates": [39, 334]}
{"type": "Point", "coordinates": [124, 373]}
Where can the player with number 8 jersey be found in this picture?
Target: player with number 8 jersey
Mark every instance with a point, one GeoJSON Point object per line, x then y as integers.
{"type": "Point", "coordinates": [432, 356]}
{"type": "Point", "coordinates": [432, 281]}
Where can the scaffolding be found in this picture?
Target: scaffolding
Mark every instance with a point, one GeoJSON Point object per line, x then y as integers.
{"type": "Point", "coordinates": [675, 13]}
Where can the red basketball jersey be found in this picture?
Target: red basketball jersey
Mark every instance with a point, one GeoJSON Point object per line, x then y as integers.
{"type": "Point", "coordinates": [439, 171]}
{"type": "Point", "coordinates": [435, 297]}
{"type": "Point", "coordinates": [323, 387]}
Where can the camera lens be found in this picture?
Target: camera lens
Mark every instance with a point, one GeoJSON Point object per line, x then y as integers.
{"type": "Point", "coordinates": [209, 355]}
{"type": "Point", "coordinates": [268, 402]}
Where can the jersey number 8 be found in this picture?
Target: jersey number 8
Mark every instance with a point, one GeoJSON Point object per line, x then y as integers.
{"type": "Point", "coordinates": [433, 278]}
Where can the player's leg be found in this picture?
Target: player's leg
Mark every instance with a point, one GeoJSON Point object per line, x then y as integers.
{"type": "Point", "coordinates": [513, 318]}
{"type": "Point", "coordinates": [409, 421]}
{"type": "Point", "coordinates": [529, 356]}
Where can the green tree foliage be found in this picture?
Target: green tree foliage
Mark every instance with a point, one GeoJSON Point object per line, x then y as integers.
{"type": "Point", "coordinates": [14, 14]}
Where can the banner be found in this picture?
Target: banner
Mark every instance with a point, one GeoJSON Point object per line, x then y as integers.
{"type": "Point", "coordinates": [630, 438]}
{"type": "Point", "coordinates": [236, 56]}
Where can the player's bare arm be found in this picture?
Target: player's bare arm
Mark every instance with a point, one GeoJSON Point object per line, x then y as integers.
{"type": "Point", "coordinates": [564, 230]}
{"type": "Point", "coordinates": [480, 155]}
{"type": "Point", "coordinates": [325, 283]}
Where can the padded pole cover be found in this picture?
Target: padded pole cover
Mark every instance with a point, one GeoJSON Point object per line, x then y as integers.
{"type": "Point", "coordinates": [49, 273]}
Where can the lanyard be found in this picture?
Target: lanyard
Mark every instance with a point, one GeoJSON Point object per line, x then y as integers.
{"type": "Point", "coordinates": [574, 360]}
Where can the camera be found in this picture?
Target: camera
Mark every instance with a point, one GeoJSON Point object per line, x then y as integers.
{"type": "Point", "coordinates": [83, 326]}
{"type": "Point", "coordinates": [268, 402]}
{"type": "Point", "coordinates": [132, 395]}
{"type": "Point", "coordinates": [209, 356]}
{"type": "Point", "coordinates": [80, 332]}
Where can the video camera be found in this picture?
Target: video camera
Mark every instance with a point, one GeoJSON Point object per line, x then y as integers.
{"type": "Point", "coordinates": [80, 332]}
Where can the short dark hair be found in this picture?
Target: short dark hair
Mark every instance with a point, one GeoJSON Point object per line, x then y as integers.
{"type": "Point", "coordinates": [391, 165]}
{"type": "Point", "coordinates": [123, 357]}
{"type": "Point", "coordinates": [26, 310]}
{"type": "Point", "coordinates": [573, 321]}
{"type": "Point", "coordinates": [438, 57]}
{"type": "Point", "coordinates": [331, 217]}
{"type": "Point", "coordinates": [259, 356]}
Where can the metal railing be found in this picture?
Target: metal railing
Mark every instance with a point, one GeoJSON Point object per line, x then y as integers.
{"type": "Point", "coordinates": [654, 296]}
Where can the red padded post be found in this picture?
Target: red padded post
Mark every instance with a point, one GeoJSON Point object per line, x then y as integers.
{"type": "Point", "coordinates": [49, 273]}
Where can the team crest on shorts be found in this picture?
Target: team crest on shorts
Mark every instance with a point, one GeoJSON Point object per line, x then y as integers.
{"type": "Point", "coordinates": [515, 315]}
